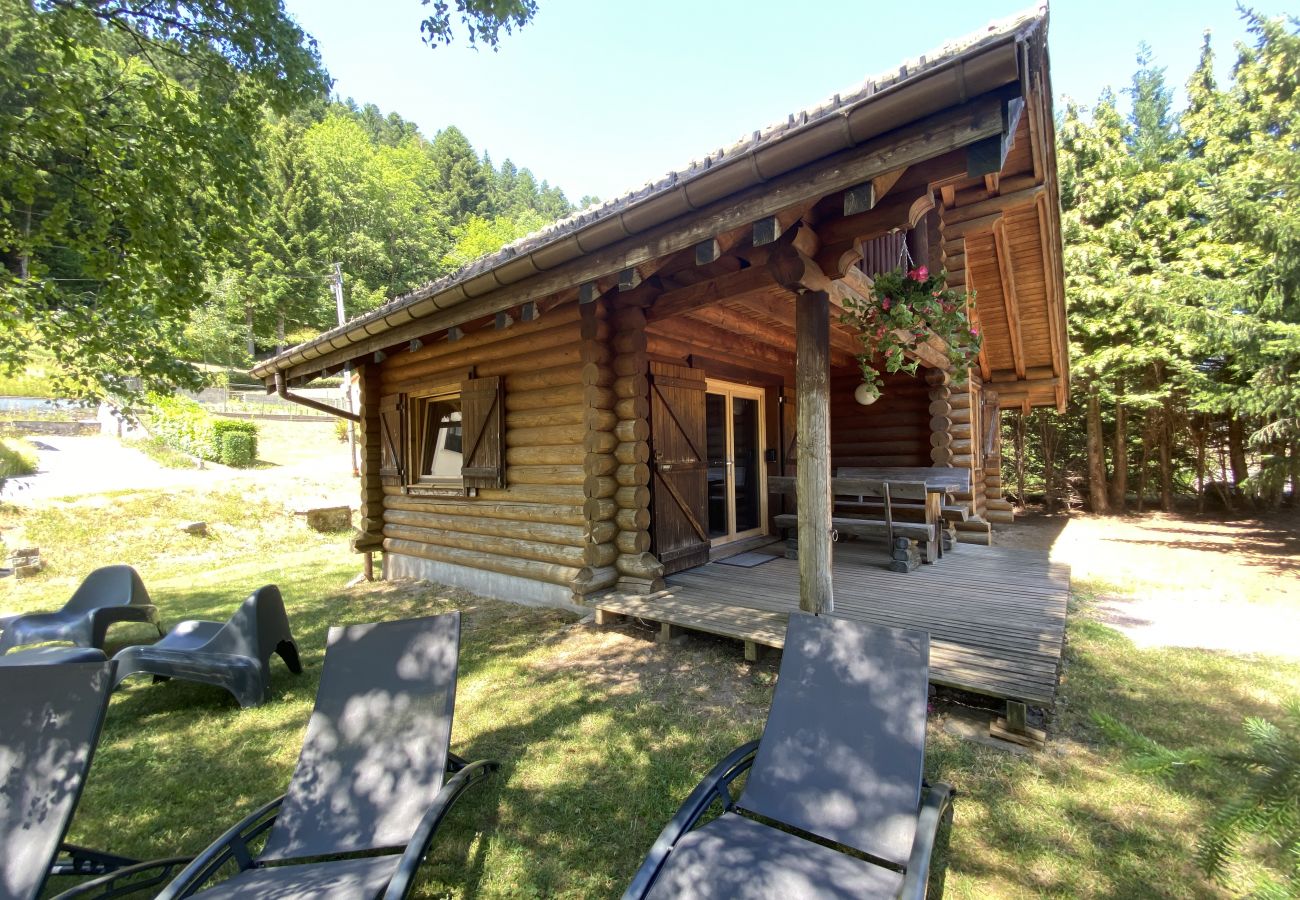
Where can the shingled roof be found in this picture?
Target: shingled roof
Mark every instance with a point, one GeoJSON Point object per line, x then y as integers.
{"type": "Point", "coordinates": [877, 105]}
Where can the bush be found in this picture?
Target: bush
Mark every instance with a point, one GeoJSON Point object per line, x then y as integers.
{"type": "Point", "coordinates": [182, 423]}
{"type": "Point", "coordinates": [238, 449]}
{"type": "Point", "coordinates": [185, 425]}
{"type": "Point", "coordinates": [223, 428]}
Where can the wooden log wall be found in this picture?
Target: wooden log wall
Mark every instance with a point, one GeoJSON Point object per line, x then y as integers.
{"type": "Point", "coordinates": [637, 570]}
{"type": "Point", "coordinates": [552, 522]}
{"type": "Point", "coordinates": [893, 431]}
{"type": "Point", "coordinates": [941, 421]}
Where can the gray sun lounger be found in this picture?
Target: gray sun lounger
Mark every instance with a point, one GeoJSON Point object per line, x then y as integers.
{"type": "Point", "coordinates": [235, 655]}
{"type": "Point", "coordinates": [50, 718]}
{"type": "Point", "coordinates": [108, 596]}
{"type": "Point", "coordinates": [839, 763]}
{"type": "Point", "coordinates": [372, 776]}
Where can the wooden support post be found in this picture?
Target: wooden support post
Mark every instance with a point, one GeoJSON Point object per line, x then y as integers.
{"type": "Point", "coordinates": [668, 632]}
{"type": "Point", "coordinates": [604, 617]}
{"type": "Point", "coordinates": [1016, 729]}
{"type": "Point", "coordinates": [813, 480]}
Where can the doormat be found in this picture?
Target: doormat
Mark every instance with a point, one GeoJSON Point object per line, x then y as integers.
{"type": "Point", "coordinates": [747, 560]}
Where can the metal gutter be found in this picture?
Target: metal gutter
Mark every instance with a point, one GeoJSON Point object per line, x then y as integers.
{"type": "Point", "coordinates": [978, 70]}
{"type": "Point", "coordinates": [283, 390]}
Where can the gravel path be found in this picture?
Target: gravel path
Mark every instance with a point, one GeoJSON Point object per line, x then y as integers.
{"type": "Point", "coordinates": [69, 466]}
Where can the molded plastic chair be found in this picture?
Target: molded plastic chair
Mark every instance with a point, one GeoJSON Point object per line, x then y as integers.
{"type": "Point", "coordinates": [235, 655]}
{"type": "Point", "coordinates": [109, 595]}
{"type": "Point", "coordinates": [52, 656]}
{"type": "Point", "coordinates": [371, 777]}
{"type": "Point", "coordinates": [838, 767]}
{"type": "Point", "coordinates": [50, 718]}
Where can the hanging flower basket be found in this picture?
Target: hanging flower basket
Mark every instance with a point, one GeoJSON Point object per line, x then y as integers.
{"type": "Point", "coordinates": [910, 316]}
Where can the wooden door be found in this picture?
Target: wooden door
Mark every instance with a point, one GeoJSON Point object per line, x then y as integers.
{"type": "Point", "coordinates": [679, 482]}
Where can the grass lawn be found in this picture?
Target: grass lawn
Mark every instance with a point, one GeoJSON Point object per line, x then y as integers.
{"type": "Point", "coordinates": [17, 458]}
{"type": "Point", "coordinates": [601, 733]}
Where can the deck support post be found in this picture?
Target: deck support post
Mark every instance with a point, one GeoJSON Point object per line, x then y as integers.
{"type": "Point", "coordinates": [813, 441]}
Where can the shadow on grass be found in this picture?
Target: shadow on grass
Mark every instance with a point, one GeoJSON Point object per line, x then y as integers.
{"type": "Point", "coordinates": [1074, 821]}
{"type": "Point", "coordinates": [591, 770]}
{"type": "Point", "coordinates": [601, 734]}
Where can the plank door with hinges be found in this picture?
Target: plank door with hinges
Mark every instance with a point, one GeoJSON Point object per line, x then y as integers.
{"type": "Point", "coordinates": [679, 467]}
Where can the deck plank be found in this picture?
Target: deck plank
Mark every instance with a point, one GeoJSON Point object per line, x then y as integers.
{"type": "Point", "coordinates": [996, 617]}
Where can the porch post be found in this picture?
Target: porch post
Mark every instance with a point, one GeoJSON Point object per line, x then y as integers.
{"type": "Point", "coordinates": [813, 478]}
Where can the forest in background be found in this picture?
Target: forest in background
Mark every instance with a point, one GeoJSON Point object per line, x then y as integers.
{"type": "Point", "coordinates": [1182, 262]}
{"type": "Point", "coordinates": [176, 185]}
{"type": "Point", "coordinates": [338, 182]}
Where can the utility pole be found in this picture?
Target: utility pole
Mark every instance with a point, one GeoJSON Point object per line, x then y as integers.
{"type": "Point", "coordinates": [337, 283]}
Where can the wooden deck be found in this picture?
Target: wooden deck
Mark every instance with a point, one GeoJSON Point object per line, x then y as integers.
{"type": "Point", "coordinates": [996, 617]}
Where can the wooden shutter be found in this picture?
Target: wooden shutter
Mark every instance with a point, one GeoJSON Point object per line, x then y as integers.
{"type": "Point", "coordinates": [991, 422]}
{"type": "Point", "coordinates": [392, 440]}
{"type": "Point", "coordinates": [483, 424]}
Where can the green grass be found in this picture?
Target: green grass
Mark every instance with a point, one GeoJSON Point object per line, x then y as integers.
{"type": "Point", "coordinates": [603, 733]}
{"type": "Point", "coordinates": [162, 453]}
{"type": "Point", "coordinates": [17, 458]}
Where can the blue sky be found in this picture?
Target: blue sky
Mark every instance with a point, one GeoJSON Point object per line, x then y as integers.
{"type": "Point", "coordinates": [599, 97]}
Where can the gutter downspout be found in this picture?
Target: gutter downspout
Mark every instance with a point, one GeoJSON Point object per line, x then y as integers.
{"type": "Point", "coordinates": [283, 391]}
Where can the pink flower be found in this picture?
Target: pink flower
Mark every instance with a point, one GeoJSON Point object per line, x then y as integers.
{"type": "Point", "coordinates": [920, 273]}
{"type": "Point", "coordinates": [974, 332]}
{"type": "Point", "coordinates": [884, 304]}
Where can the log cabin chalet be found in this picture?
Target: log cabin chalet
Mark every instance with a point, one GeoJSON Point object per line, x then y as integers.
{"type": "Point", "coordinates": [601, 403]}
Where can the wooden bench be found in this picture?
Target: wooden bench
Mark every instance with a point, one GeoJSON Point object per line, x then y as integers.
{"type": "Point", "coordinates": [903, 536]}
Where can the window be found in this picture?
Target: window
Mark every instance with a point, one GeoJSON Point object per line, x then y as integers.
{"type": "Point", "coordinates": [449, 439]}
{"type": "Point", "coordinates": [436, 439]}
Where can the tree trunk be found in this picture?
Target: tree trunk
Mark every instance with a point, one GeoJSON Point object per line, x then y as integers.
{"type": "Point", "coordinates": [1148, 434]}
{"type": "Point", "coordinates": [1237, 451]}
{"type": "Point", "coordinates": [1295, 473]}
{"type": "Point", "coordinates": [279, 333]}
{"type": "Point", "coordinates": [25, 259]}
{"type": "Point", "coordinates": [248, 326]}
{"type": "Point", "coordinates": [1166, 462]}
{"type": "Point", "coordinates": [1198, 435]}
{"type": "Point", "coordinates": [1020, 456]}
{"type": "Point", "coordinates": [1096, 454]}
{"type": "Point", "coordinates": [1048, 436]}
{"type": "Point", "coordinates": [1119, 478]}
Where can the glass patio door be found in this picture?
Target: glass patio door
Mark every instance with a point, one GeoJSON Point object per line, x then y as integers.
{"type": "Point", "coordinates": [737, 489]}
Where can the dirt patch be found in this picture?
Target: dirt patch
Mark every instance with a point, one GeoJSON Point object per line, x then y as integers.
{"type": "Point", "coordinates": [625, 659]}
{"type": "Point", "coordinates": [1181, 581]}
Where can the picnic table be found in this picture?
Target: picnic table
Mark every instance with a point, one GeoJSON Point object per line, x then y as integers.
{"type": "Point", "coordinates": [941, 482]}
{"type": "Point", "coordinates": [863, 493]}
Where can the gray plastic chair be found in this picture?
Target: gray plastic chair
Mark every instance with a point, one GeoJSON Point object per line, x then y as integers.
{"type": "Point", "coordinates": [371, 776]}
{"type": "Point", "coordinates": [109, 595]}
{"type": "Point", "coordinates": [235, 655]}
{"type": "Point", "coordinates": [839, 763]}
{"type": "Point", "coordinates": [52, 656]}
{"type": "Point", "coordinates": [50, 718]}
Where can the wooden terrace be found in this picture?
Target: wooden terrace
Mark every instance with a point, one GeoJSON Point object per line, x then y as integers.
{"type": "Point", "coordinates": [996, 620]}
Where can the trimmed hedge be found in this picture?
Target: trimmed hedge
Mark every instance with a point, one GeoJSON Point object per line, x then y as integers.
{"type": "Point", "coordinates": [223, 429]}
{"type": "Point", "coordinates": [184, 424]}
{"type": "Point", "coordinates": [238, 449]}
